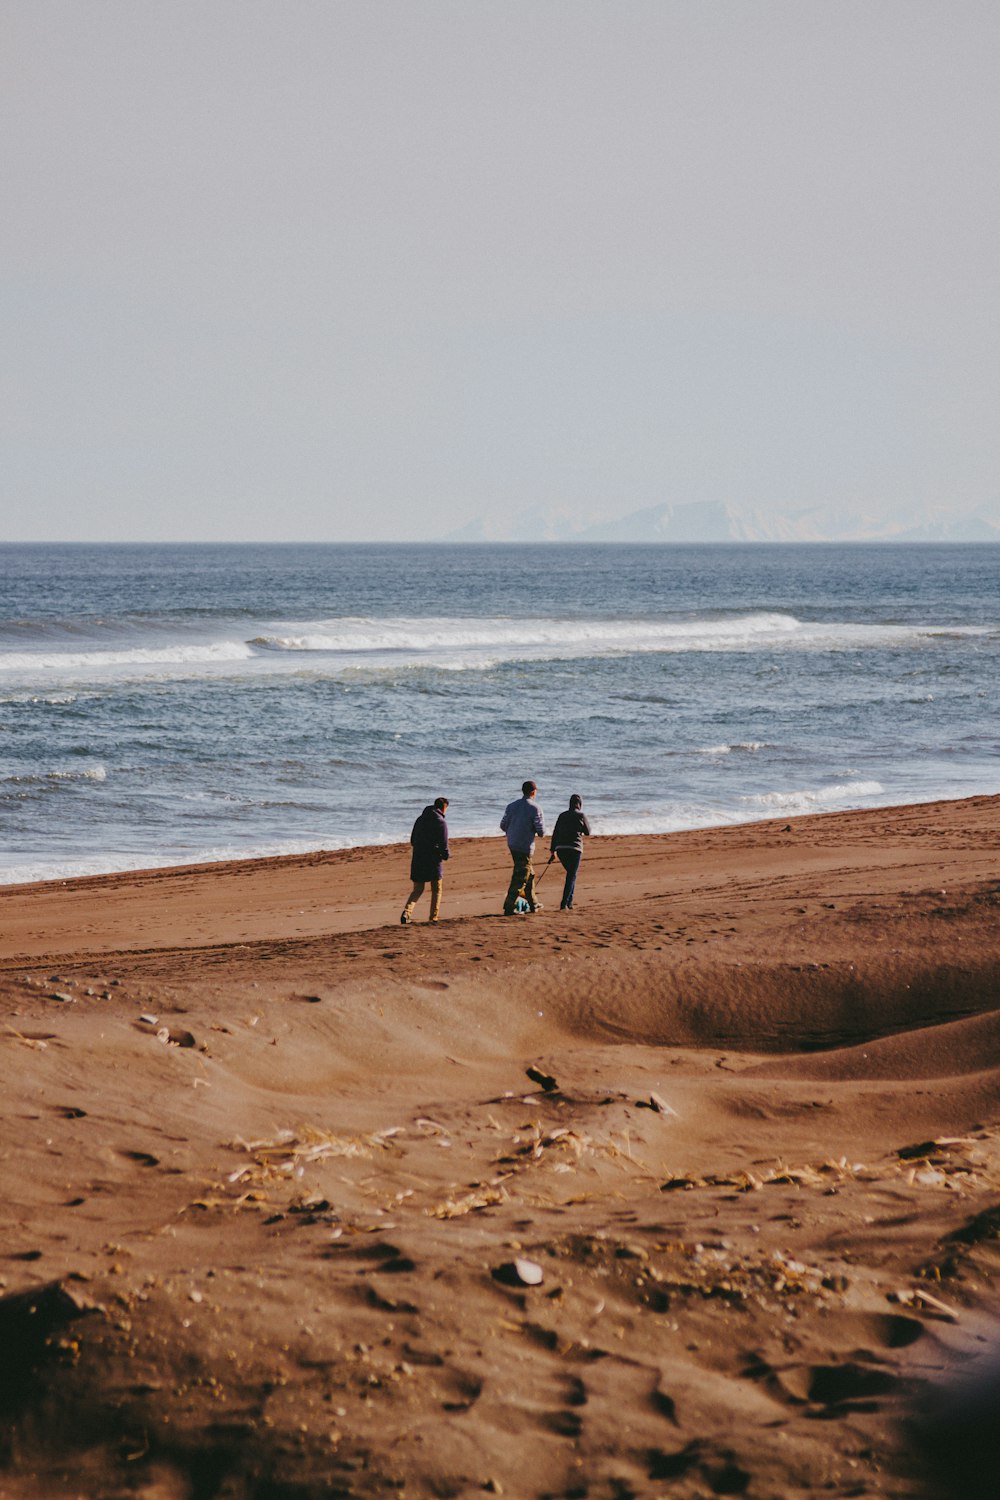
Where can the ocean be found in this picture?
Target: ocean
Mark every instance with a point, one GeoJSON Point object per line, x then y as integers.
{"type": "Point", "coordinates": [170, 704]}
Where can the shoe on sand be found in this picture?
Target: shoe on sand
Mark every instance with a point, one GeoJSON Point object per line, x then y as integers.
{"type": "Point", "coordinates": [404, 920]}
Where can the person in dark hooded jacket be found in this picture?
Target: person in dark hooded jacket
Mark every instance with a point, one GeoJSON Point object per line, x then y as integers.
{"type": "Point", "coordinates": [429, 840]}
{"type": "Point", "coordinates": [567, 846]}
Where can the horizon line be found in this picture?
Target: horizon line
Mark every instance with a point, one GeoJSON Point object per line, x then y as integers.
{"type": "Point", "coordinates": [877, 541]}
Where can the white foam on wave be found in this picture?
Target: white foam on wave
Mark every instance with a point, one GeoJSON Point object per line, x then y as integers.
{"type": "Point", "coordinates": [29, 871]}
{"type": "Point", "coordinates": [504, 638]}
{"type": "Point", "coordinates": [842, 793]}
{"type": "Point", "coordinates": [359, 636]}
{"type": "Point", "coordinates": [685, 817]}
{"type": "Point", "coordinates": [345, 646]}
{"type": "Point", "coordinates": [747, 746]}
{"type": "Point", "coordinates": [41, 778]}
{"type": "Point", "coordinates": [46, 700]}
{"type": "Point", "coordinates": [35, 663]}
{"type": "Point", "coordinates": [472, 644]}
{"type": "Point", "coordinates": [92, 773]}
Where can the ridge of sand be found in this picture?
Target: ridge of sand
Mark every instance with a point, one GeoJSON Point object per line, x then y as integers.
{"type": "Point", "coordinates": [272, 1163]}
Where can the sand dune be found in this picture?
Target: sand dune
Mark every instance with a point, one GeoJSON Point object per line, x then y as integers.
{"type": "Point", "coordinates": [693, 1191]}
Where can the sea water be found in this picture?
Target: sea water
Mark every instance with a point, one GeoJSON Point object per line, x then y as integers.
{"type": "Point", "coordinates": [169, 704]}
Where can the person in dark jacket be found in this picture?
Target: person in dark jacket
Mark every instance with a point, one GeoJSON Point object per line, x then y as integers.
{"type": "Point", "coordinates": [567, 846]}
{"type": "Point", "coordinates": [429, 840]}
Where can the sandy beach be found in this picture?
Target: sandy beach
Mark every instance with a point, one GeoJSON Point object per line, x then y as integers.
{"type": "Point", "coordinates": [692, 1191]}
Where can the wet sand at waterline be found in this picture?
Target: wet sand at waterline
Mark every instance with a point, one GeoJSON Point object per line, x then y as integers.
{"type": "Point", "coordinates": [694, 1190]}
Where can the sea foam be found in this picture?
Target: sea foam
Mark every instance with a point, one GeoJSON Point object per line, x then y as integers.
{"type": "Point", "coordinates": [843, 794]}
{"type": "Point", "coordinates": [466, 641]}
{"type": "Point", "coordinates": [344, 646]}
{"type": "Point", "coordinates": [23, 663]}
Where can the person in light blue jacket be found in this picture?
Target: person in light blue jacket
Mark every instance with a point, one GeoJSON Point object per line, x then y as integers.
{"type": "Point", "coordinates": [522, 822]}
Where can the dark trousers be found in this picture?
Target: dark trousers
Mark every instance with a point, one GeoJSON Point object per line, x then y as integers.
{"type": "Point", "coordinates": [570, 861]}
{"type": "Point", "coordinates": [522, 882]}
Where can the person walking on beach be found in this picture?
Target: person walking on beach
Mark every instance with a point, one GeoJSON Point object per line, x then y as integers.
{"type": "Point", "coordinates": [521, 822]}
{"type": "Point", "coordinates": [429, 839]}
{"type": "Point", "coordinates": [567, 846]}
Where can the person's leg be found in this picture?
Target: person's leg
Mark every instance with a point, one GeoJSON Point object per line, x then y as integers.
{"type": "Point", "coordinates": [529, 885]}
{"type": "Point", "coordinates": [570, 861]}
{"type": "Point", "coordinates": [522, 865]}
{"type": "Point", "coordinates": [561, 855]}
{"type": "Point", "coordinates": [435, 900]}
{"type": "Point", "coordinates": [411, 901]}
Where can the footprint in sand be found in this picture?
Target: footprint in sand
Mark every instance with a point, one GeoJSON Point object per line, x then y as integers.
{"type": "Point", "coordinates": [851, 1386]}
{"type": "Point", "coordinates": [373, 1298]}
{"type": "Point", "coordinates": [884, 1330]}
{"type": "Point", "coordinates": [381, 1256]}
{"type": "Point", "coordinates": [665, 1405]}
{"type": "Point", "coordinates": [565, 1423]}
{"type": "Point", "coordinates": [719, 1469]}
{"type": "Point", "coordinates": [465, 1390]}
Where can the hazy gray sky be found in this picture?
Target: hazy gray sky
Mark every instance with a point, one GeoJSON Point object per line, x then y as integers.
{"type": "Point", "coordinates": [312, 269]}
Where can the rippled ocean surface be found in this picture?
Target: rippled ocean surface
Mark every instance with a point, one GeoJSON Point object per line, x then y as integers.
{"type": "Point", "coordinates": [165, 704]}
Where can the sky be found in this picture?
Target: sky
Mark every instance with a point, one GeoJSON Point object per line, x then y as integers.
{"type": "Point", "coordinates": [345, 270]}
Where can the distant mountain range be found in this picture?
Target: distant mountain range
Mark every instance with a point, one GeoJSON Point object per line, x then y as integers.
{"type": "Point", "coordinates": [717, 522]}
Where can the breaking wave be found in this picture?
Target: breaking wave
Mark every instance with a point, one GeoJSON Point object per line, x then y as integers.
{"type": "Point", "coordinates": [24, 663]}
{"type": "Point", "coordinates": [88, 773]}
{"type": "Point", "coordinates": [353, 643]}
{"type": "Point", "coordinates": [504, 639]}
{"type": "Point", "coordinates": [841, 794]}
{"type": "Point", "coordinates": [746, 746]}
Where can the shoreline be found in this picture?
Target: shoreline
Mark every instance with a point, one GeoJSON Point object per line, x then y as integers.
{"type": "Point", "coordinates": [236, 858]}
{"type": "Point", "coordinates": [228, 900]}
{"type": "Point", "coordinates": [306, 894]}
{"type": "Point", "coordinates": [381, 845]}
{"type": "Point", "coordinates": [693, 1188]}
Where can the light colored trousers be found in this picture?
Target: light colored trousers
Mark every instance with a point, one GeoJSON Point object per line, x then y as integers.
{"type": "Point", "coordinates": [418, 891]}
